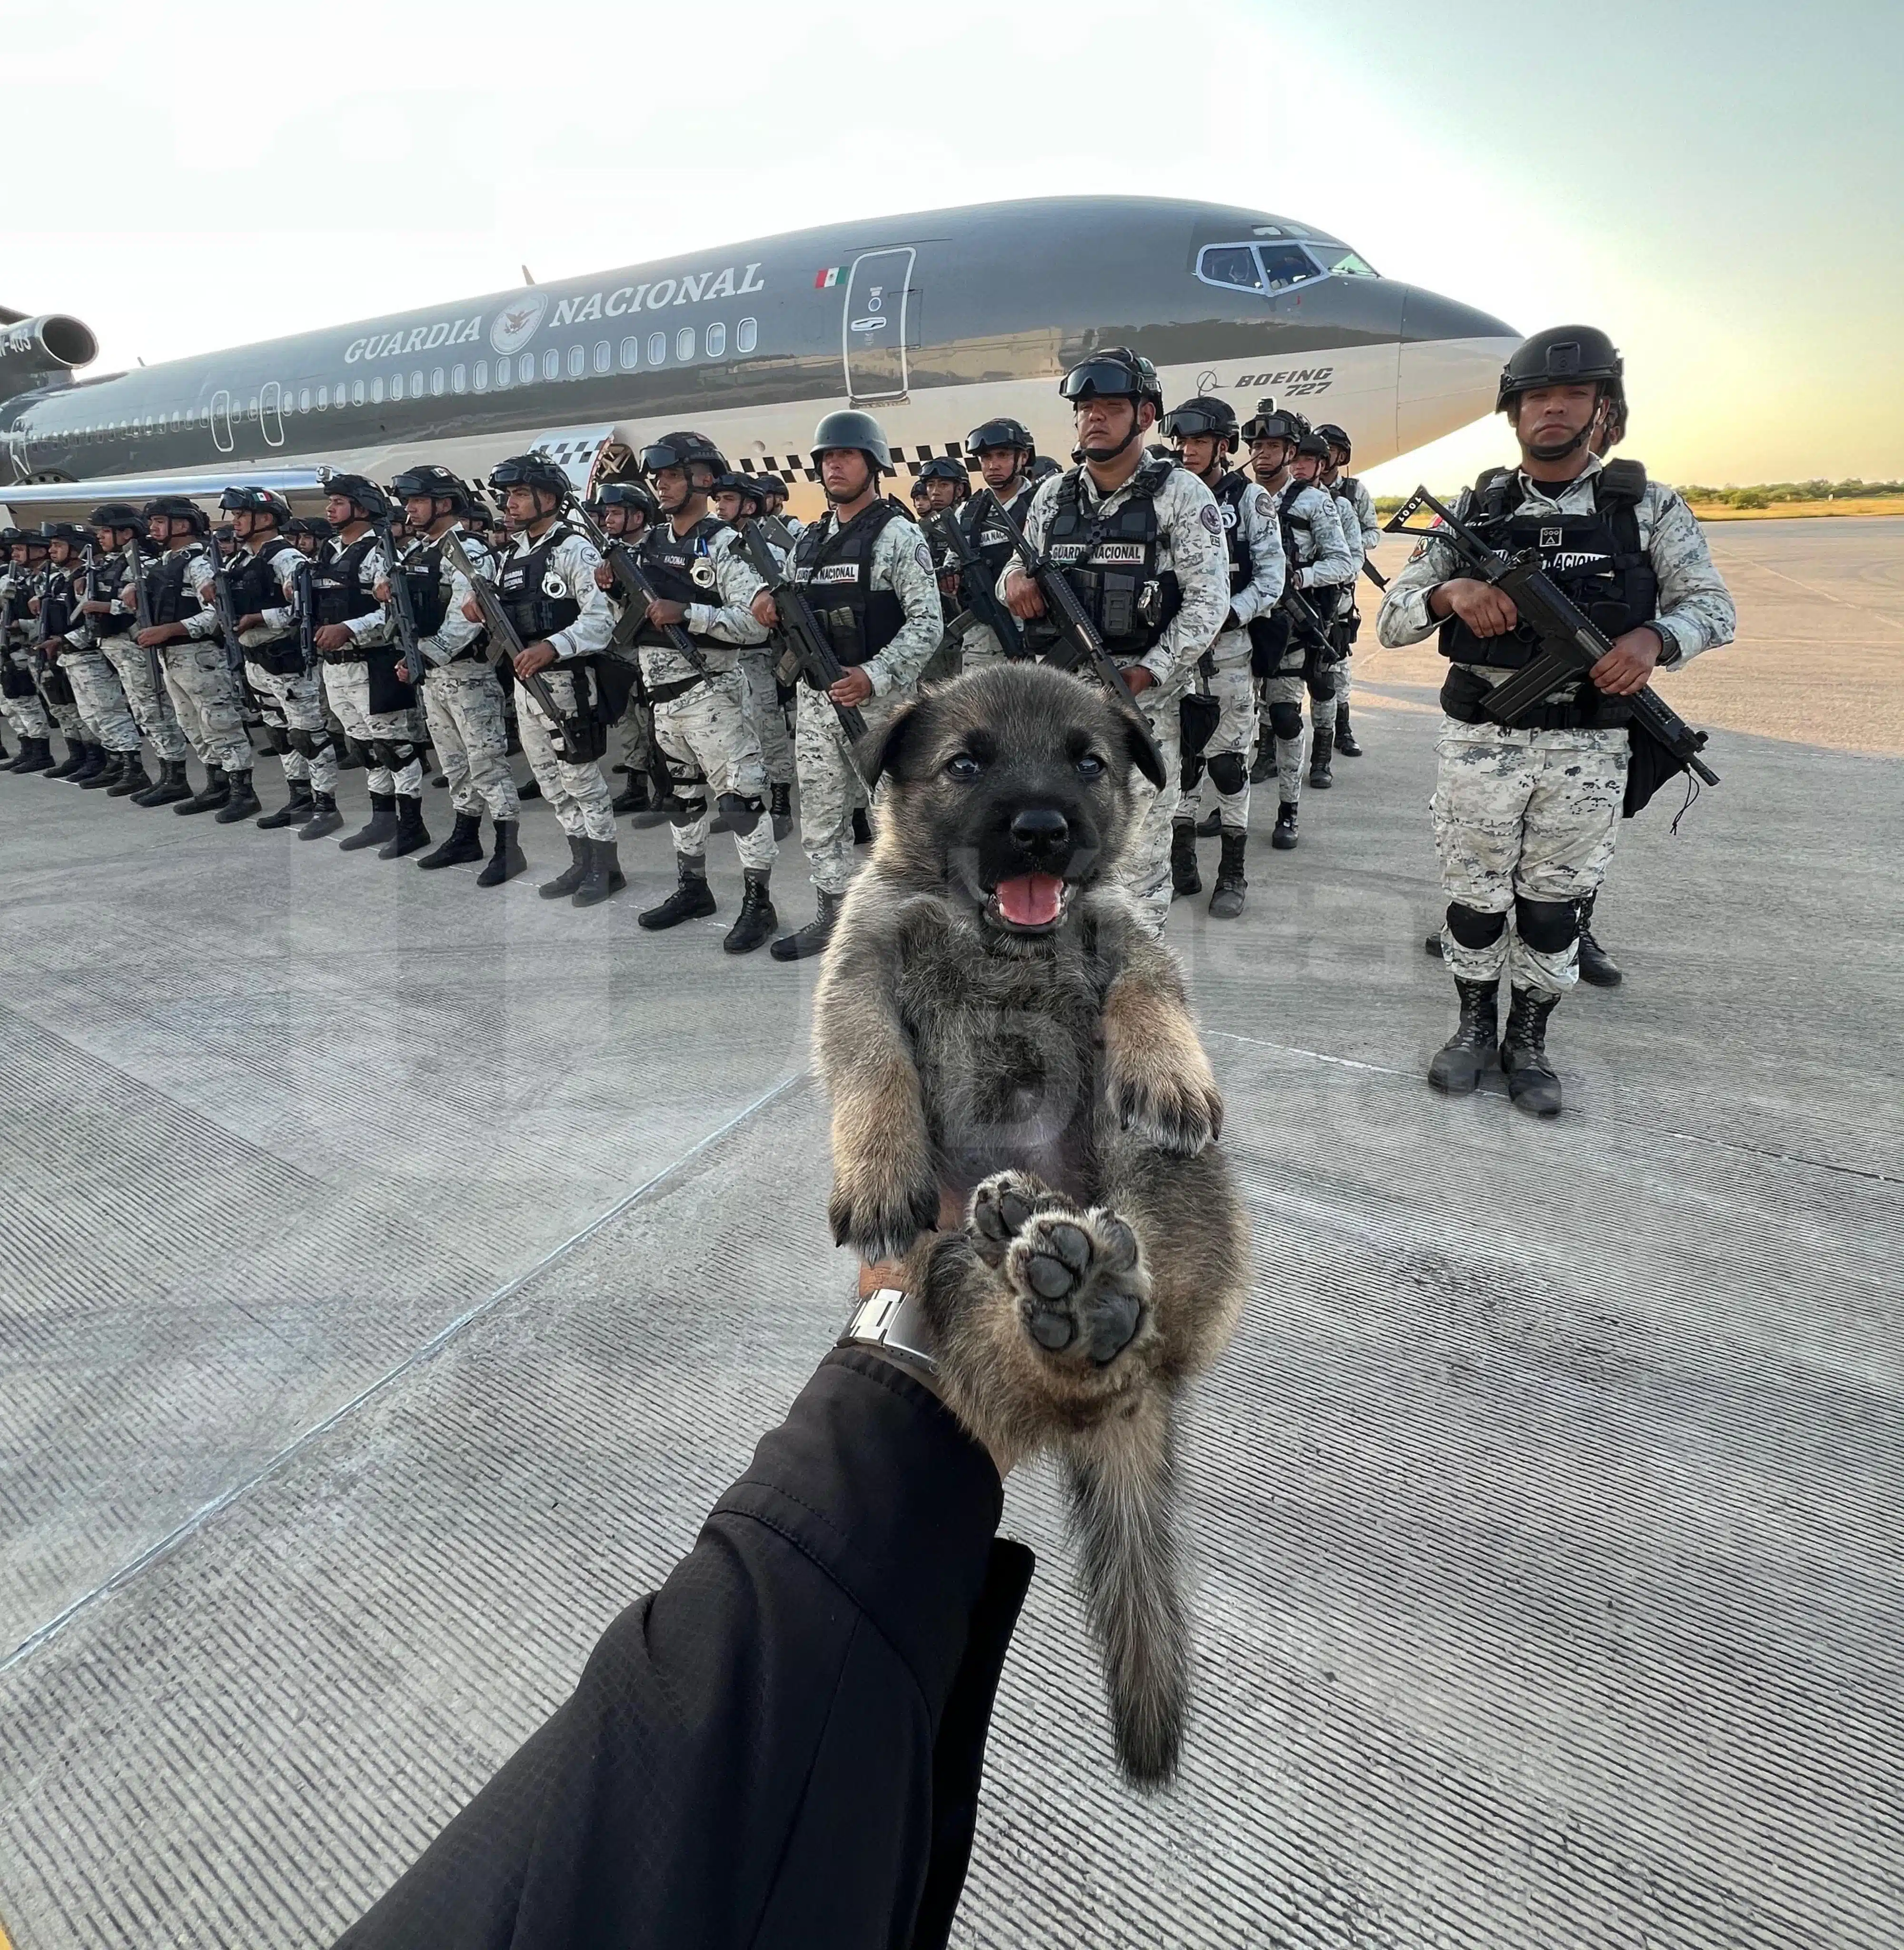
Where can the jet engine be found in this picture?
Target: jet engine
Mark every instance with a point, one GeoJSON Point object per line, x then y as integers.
{"type": "Point", "coordinates": [30, 348]}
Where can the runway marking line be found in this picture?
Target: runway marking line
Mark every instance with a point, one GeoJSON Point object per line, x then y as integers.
{"type": "Point", "coordinates": [1863, 609]}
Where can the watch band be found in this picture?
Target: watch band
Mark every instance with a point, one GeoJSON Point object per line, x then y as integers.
{"type": "Point", "coordinates": [893, 1322]}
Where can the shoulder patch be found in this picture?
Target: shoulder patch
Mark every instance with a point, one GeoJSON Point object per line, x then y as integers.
{"type": "Point", "coordinates": [1261, 503]}
{"type": "Point", "coordinates": [1211, 517]}
{"type": "Point", "coordinates": [923, 556]}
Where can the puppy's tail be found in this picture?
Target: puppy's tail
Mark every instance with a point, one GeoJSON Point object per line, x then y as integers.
{"type": "Point", "coordinates": [1123, 1501]}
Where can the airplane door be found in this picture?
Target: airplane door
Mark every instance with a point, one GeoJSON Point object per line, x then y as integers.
{"type": "Point", "coordinates": [222, 421]}
{"type": "Point", "coordinates": [270, 419]}
{"type": "Point", "coordinates": [873, 328]}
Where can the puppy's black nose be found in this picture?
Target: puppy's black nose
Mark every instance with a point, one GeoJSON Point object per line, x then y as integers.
{"type": "Point", "coordinates": [1040, 829]}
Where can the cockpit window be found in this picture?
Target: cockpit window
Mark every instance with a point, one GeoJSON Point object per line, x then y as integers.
{"type": "Point", "coordinates": [1231, 264]}
{"type": "Point", "coordinates": [1286, 264]}
{"type": "Point", "coordinates": [1341, 262]}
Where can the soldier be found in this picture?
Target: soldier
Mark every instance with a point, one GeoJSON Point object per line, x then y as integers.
{"type": "Point", "coordinates": [943, 485]}
{"type": "Point", "coordinates": [1525, 818]}
{"type": "Point", "coordinates": [625, 509]}
{"type": "Point", "coordinates": [31, 553]}
{"type": "Point", "coordinates": [198, 672]}
{"type": "Point", "coordinates": [26, 709]}
{"type": "Point", "coordinates": [545, 580]}
{"type": "Point", "coordinates": [118, 534]}
{"type": "Point", "coordinates": [1331, 586]}
{"type": "Point", "coordinates": [462, 699]}
{"type": "Point", "coordinates": [774, 509]}
{"type": "Point", "coordinates": [1312, 546]}
{"type": "Point", "coordinates": [868, 574]}
{"type": "Point", "coordinates": [1355, 510]}
{"type": "Point", "coordinates": [703, 729]}
{"type": "Point", "coordinates": [111, 733]}
{"type": "Point", "coordinates": [1205, 431]}
{"type": "Point", "coordinates": [1141, 542]}
{"type": "Point", "coordinates": [1004, 450]}
{"type": "Point", "coordinates": [738, 498]}
{"type": "Point", "coordinates": [349, 626]}
{"type": "Point", "coordinates": [315, 536]}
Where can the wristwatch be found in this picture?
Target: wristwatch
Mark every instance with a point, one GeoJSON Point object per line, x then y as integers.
{"type": "Point", "coordinates": [893, 1322]}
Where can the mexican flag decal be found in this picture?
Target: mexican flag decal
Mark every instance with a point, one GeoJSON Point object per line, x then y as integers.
{"type": "Point", "coordinates": [825, 281]}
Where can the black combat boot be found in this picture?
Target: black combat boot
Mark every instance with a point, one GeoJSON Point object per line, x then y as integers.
{"type": "Point", "coordinates": [1345, 738]}
{"type": "Point", "coordinates": [756, 920]}
{"type": "Point", "coordinates": [1262, 768]}
{"type": "Point", "coordinates": [75, 757]}
{"type": "Point", "coordinates": [1184, 878]}
{"type": "Point", "coordinates": [779, 807]}
{"type": "Point", "coordinates": [324, 819]}
{"type": "Point", "coordinates": [172, 785]}
{"type": "Point", "coordinates": [811, 939]}
{"type": "Point", "coordinates": [465, 842]}
{"type": "Point", "coordinates": [294, 811]}
{"type": "Point", "coordinates": [1226, 903]}
{"type": "Point", "coordinates": [241, 801]}
{"type": "Point", "coordinates": [1320, 775]}
{"type": "Point", "coordinates": [382, 827]}
{"type": "Point", "coordinates": [36, 755]}
{"type": "Point", "coordinates": [570, 878]}
{"type": "Point", "coordinates": [633, 797]}
{"type": "Point", "coordinates": [862, 827]}
{"type": "Point", "coordinates": [692, 900]}
{"type": "Point", "coordinates": [508, 859]}
{"type": "Point", "coordinates": [90, 766]}
{"type": "Point", "coordinates": [1457, 1066]}
{"type": "Point", "coordinates": [133, 777]}
{"type": "Point", "coordinates": [1531, 1082]}
{"type": "Point", "coordinates": [1598, 968]}
{"type": "Point", "coordinates": [108, 775]}
{"type": "Point", "coordinates": [411, 832]}
{"type": "Point", "coordinates": [1282, 836]}
{"type": "Point", "coordinates": [216, 792]}
{"type": "Point", "coordinates": [602, 873]}
{"type": "Point", "coordinates": [531, 788]}
{"type": "Point", "coordinates": [1211, 824]}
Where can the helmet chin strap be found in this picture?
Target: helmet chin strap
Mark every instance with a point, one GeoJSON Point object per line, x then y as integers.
{"type": "Point", "coordinates": [1100, 455]}
{"type": "Point", "coordinates": [1579, 440]}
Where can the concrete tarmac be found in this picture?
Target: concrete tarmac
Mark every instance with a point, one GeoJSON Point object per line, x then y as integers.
{"type": "Point", "coordinates": [393, 1272]}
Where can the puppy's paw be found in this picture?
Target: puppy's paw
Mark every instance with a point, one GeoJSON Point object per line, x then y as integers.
{"type": "Point", "coordinates": [1001, 1208]}
{"type": "Point", "coordinates": [1177, 1111]}
{"type": "Point", "coordinates": [1083, 1293]}
{"type": "Point", "coordinates": [879, 1211]}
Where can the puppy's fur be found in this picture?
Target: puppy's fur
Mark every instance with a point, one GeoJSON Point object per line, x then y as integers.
{"type": "Point", "coordinates": [1042, 1075]}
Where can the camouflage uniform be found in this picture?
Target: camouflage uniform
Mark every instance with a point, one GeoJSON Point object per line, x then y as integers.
{"type": "Point", "coordinates": [149, 703]}
{"type": "Point", "coordinates": [1190, 535]}
{"type": "Point", "coordinates": [198, 675]}
{"type": "Point", "coordinates": [1228, 678]}
{"type": "Point", "coordinates": [979, 648]}
{"type": "Point", "coordinates": [25, 713]}
{"type": "Point", "coordinates": [95, 684]}
{"type": "Point", "coordinates": [1323, 563]}
{"type": "Point", "coordinates": [829, 787]}
{"type": "Point", "coordinates": [1355, 510]}
{"type": "Point", "coordinates": [347, 690]}
{"type": "Point", "coordinates": [1530, 815]}
{"type": "Point", "coordinates": [295, 697]}
{"type": "Point", "coordinates": [463, 696]}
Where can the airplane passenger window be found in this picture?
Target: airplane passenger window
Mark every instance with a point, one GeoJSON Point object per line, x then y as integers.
{"type": "Point", "coordinates": [356, 393]}
{"type": "Point", "coordinates": [416, 385]}
{"type": "Point", "coordinates": [1342, 263]}
{"type": "Point", "coordinates": [1231, 264]}
{"type": "Point", "coordinates": [525, 368]}
{"type": "Point", "coordinates": [377, 390]}
{"type": "Point", "coordinates": [436, 382]}
{"type": "Point", "coordinates": [578, 360]}
{"type": "Point", "coordinates": [716, 341]}
{"type": "Point", "coordinates": [395, 387]}
{"type": "Point", "coordinates": [746, 334]}
{"type": "Point", "coordinates": [303, 399]}
{"type": "Point", "coordinates": [630, 354]}
{"type": "Point", "coordinates": [459, 378]}
{"type": "Point", "coordinates": [684, 343]}
{"type": "Point", "coordinates": [324, 399]}
{"type": "Point", "coordinates": [480, 377]}
{"type": "Point", "coordinates": [604, 356]}
{"type": "Point", "coordinates": [1286, 264]}
{"type": "Point", "coordinates": [657, 348]}
{"type": "Point", "coordinates": [552, 364]}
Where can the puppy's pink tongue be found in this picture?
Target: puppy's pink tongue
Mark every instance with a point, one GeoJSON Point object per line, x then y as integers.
{"type": "Point", "coordinates": [1030, 900]}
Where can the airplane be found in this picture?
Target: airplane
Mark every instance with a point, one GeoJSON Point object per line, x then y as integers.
{"type": "Point", "coordinates": [934, 322]}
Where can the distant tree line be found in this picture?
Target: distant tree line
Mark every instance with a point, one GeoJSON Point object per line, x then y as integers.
{"type": "Point", "coordinates": [1764, 495]}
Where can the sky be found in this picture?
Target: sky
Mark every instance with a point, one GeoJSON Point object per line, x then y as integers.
{"type": "Point", "coordinates": [1719, 185]}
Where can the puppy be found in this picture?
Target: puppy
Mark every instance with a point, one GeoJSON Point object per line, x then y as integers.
{"type": "Point", "coordinates": [1000, 1033]}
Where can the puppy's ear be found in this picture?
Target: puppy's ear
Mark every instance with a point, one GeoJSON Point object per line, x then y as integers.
{"type": "Point", "coordinates": [888, 754]}
{"type": "Point", "coordinates": [1143, 748]}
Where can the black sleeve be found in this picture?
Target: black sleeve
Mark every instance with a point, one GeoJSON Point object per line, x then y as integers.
{"type": "Point", "coordinates": [781, 1746]}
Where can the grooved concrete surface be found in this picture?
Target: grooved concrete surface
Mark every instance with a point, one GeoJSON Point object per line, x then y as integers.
{"type": "Point", "coordinates": [1549, 1509]}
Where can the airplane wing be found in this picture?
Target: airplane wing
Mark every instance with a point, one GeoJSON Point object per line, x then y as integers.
{"type": "Point", "coordinates": [44, 496]}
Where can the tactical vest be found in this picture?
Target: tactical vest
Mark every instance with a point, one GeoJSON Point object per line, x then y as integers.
{"type": "Point", "coordinates": [834, 567]}
{"type": "Point", "coordinates": [681, 570]}
{"type": "Point", "coordinates": [422, 570]}
{"type": "Point", "coordinates": [1229, 491]}
{"type": "Point", "coordinates": [108, 579]}
{"type": "Point", "coordinates": [532, 595]}
{"type": "Point", "coordinates": [989, 538]}
{"type": "Point", "coordinates": [56, 606]}
{"type": "Point", "coordinates": [168, 597]}
{"type": "Point", "coordinates": [1110, 560]}
{"type": "Point", "coordinates": [254, 580]}
{"type": "Point", "coordinates": [1299, 529]}
{"type": "Point", "coordinates": [337, 593]}
{"type": "Point", "coordinates": [1596, 559]}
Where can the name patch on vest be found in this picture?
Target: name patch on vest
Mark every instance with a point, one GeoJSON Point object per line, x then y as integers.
{"type": "Point", "coordinates": [837, 571]}
{"type": "Point", "coordinates": [1117, 553]}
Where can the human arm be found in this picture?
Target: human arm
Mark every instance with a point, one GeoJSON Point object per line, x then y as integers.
{"type": "Point", "coordinates": [1191, 525]}
{"type": "Point", "coordinates": [903, 563]}
{"type": "Point", "coordinates": [1263, 535]}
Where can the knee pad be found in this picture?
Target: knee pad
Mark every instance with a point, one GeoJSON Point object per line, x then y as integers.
{"type": "Point", "coordinates": [275, 737]}
{"type": "Point", "coordinates": [1548, 927]}
{"type": "Point", "coordinates": [1473, 929]}
{"type": "Point", "coordinates": [1229, 772]}
{"type": "Point", "coordinates": [687, 810]}
{"type": "Point", "coordinates": [378, 751]}
{"type": "Point", "coordinates": [1322, 689]}
{"type": "Point", "coordinates": [743, 815]}
{"type": "Point", "coordinates": [1286, 721]}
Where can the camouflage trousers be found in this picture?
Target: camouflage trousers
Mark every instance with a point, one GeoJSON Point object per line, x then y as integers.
{"type": "Point", "coordinates": [1234, 689]}
{"type": "Point", "coordinates": [463, 704]}
{"type": "Point", "coordinates": [1291, 754]}
{"type": "Point", "coordinates": [1145, 866]}
{"type": "Point", "coordinates": [1344, 673]}
{"type": "Point", "coordinates": [27, 714]}
{"type": "Point", "coordinates": [578, 793]}
{"type": "Point", "coordinates": [830, 787]}
{"type": "Point", "coordinates": [707, 740]}
{"type": "Point", "coordinates": [150, 704]}
{"type": "Point", "coordinates": [296, 700]}
{"type": "Point", "coordinates": [206, 698]}
{"type": "Point", "coordinates": [636, 743]}
{"type": "Point", "coordinates": [101, 702]}
{"type": "Point", "coordinates": [346, 685]}
{"type": "Point", "coordinates": [767, 715]}
{"type": "Point", "coordinates": [1531, 814]}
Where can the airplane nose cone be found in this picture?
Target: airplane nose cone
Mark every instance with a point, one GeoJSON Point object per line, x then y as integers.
{"type": "Point", "coordinates": [1449, 366]}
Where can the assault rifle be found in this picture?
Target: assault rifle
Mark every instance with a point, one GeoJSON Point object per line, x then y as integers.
{"type": "Point", "coordinates": [635, 591]}
{"type": "Point", "coordinates": [1570, 642]}
{"type": "Point", "coordinates": [1374, 574]}
{"type": "Point", "coordinates": [300, 581]}
{"type": "Point", "coordinates": [1063, 609]}
{"type": "Point", "coordinates": [55, 618]}
{"type": "Point", "coordinates": [224, 606]}
{"type": "Point", "coordinates": [975, 584]}
{"type": "Point", "coordinates": [142, 610]}
{"type": "Point", "coordinates": [403, 609]}
{"type": "Point", "coordinates": [810, 643]}
{"type": "Point", "coordinates": [578, 747]}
